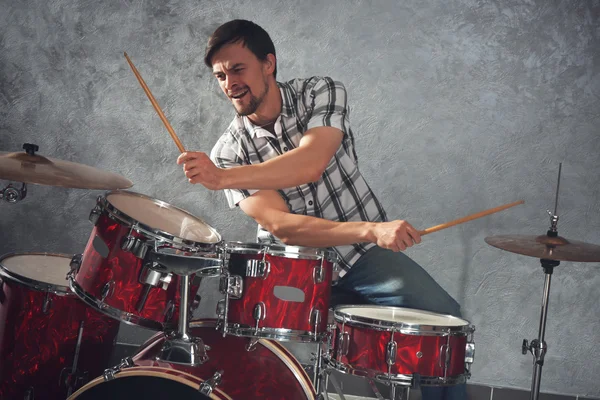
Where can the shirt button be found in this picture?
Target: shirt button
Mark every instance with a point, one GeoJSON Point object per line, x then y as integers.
{"type": "Point", "coordinates": [285, 149]}
{"type": "Point", "coordinates": [310, 203]}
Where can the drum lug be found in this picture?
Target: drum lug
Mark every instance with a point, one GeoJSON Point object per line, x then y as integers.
{"type": "Point", "coordinates": [220, 309]}
{"type": "Point", "coordinates": [319, 273]}
{"type": "Point", "coordinates": [75, 263]}
{"type": "Point", "coordinates": [109, 373]}
{"type": "Point", "coordinates": [259, 313]}
{"type": "Point", "coordinates": [207, 387]}
{"type": "Point", "coordinates": [315, 320]}
{"type": "Point", "coordinates": [95, 213]}
{"type": "Point", "coordinates": [232, 285]}
{"type": "Point", "coordinates": [343, 343]}
{"type": "Point", "coordinates": [47, 303]}
{"type": "Point", "coordinates": [444, 357]}
{"type": "Point", "coordinates": [470, 350]}
{"type": "Point", "coordinates": [392, 349]}
{"type": "Point", "coordinates": [107, 290]}
{"type": "Point", "coordinates": [258, 268]}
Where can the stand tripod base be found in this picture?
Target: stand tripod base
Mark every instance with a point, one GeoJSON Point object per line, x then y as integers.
{"type": "Point", "coordinates": [187, 351]}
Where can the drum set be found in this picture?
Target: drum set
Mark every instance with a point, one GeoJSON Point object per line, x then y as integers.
{"type": "Point", "coordinates": [143, 265]}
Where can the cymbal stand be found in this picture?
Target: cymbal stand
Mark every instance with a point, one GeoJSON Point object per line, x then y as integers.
{"type": "Point", "coordinates": [12, 194]}
{"type": "Point", "coordinates": [538, 347]}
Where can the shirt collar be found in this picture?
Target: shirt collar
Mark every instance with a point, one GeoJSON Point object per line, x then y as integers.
{"type": "Point", "coordinates": [287, 110]}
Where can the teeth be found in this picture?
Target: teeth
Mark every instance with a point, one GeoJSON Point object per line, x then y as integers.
{"type": "Point", "coordinates": [238, 95]}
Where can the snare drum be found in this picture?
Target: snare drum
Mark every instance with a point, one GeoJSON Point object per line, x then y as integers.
{"type": "Point", "coordinates": [269, 371]}
{"type": "Point", "coordinates": [116, 273]}
{"type": "Point", "coordinates": [276, 292]}
{"type": "Point", "coordinates": [401, 345]}
{"type": "Point", "coordinates": [50, 341]}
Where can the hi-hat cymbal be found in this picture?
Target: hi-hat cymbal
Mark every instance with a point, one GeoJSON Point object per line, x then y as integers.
{"type": "Point", "coordinates": [546, 247]}
{"type": "Point", "coordinates": [27, 168]}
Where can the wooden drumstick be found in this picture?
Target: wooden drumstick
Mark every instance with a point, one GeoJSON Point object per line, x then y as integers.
{"type": "Point", "coordinates": [156, 106]}
{"type": "Point", "coordinates": [469, 218]}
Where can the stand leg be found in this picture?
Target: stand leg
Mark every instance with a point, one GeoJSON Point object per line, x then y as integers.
{"type": "Point", "coordinates": [538, 346]}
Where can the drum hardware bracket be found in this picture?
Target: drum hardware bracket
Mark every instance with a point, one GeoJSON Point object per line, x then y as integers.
{"type": "Point", "coordinates": [258, 268]}
{"type": "Point", "coordinates": [151, 277]}
{"type": "Point", "coordinates": [207, 387]}
{"type": "Point", "coordinates": [134, 245]}
{"type": "Point", "coordinates": [169, 311]}
{"type": "Point", "coordinates": [232, 285]}
{"type": "Point", "coordinates": [12, 194]}
{"type": "Point", "coordinates": [109, 373]}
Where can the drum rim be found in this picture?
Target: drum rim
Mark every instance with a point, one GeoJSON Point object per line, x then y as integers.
{"type": "Point", "coordinates": [309, 253]}
{"type": "Point", "coordinates": [402, 379]}
{"type": "Point", "coordinates": [276, 348]}
{"type": "Point", "coordinates": [33, 283]}
{"type": "Point", "coordinates": [115, 313]}
{"type": "Point", "coordinates": [401, 327]}
{"type": "Point", "coordinates": [161, 372]}
{"type": "Point", "coordinates": [145, 229]}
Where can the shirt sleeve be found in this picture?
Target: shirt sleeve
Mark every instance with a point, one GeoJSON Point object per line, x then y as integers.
{"type": "Point", "coordinates": [327, 101]}
{"type": "Point", "coordinates": [228, 153]}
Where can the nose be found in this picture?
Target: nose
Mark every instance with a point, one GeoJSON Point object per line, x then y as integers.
{"type": "Point", "coordinates": [230, 83]}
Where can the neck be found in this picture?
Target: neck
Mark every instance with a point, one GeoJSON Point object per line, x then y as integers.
{"type": "Point", "coordinates": [270, 107]}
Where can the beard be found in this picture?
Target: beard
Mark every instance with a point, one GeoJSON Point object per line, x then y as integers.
{"type": "Point", "coordinates": [253, 103]}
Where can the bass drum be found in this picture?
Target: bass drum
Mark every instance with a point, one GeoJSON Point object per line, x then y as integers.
{"type": "Point", "coordinates": [266, 371]}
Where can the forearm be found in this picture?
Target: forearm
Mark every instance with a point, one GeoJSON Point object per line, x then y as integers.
{"type": "Point", "coordinates": [292, 169]}
{"type": "Point", "coordinates": [302, 230]}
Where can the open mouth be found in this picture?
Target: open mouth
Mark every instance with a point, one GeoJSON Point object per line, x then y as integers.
{"type": "Point", "coordinates": [239, 95]}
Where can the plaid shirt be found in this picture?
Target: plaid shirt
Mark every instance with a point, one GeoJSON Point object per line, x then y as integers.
{"type": "Point", "coordinates": [341, 194]}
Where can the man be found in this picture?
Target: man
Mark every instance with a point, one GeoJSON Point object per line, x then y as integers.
{"type": "Point", "coordinates": [288, 161]}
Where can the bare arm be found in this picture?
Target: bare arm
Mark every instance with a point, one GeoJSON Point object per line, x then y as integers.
{"type": "Point", "coordinates": [297, 167]}
{"type": "Point", "coordinates": [269, 210]}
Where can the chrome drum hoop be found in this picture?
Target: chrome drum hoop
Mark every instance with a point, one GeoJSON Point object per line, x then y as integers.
{"type": "Point", "coordinates": [401, 327]}
{"type": "Point", "coordinates": [160, 236]}
{"type": "Point", "coordinates": [32, 283]}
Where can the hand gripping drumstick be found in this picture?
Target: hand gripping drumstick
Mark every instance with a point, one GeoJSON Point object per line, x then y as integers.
{"type": "Point", "coordinates": [156, 106]}
{"type": "Point", "coordinates": [469, 218]}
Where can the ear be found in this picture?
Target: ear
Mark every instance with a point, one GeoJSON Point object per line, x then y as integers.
{"type": "Point", "coordinates": [269, 64]}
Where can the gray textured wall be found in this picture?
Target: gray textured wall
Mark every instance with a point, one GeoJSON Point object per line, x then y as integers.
{"type": "Point", "coordinates": [457, 106]}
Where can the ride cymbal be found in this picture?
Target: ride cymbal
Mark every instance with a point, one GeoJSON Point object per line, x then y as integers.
{"type": "Point", "coordinates": [33, 168]}
{"type": "Point", "coordinates": [546, 247]}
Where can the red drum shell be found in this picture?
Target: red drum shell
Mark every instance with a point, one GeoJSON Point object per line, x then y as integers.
{"type": "Point", "coordinates": [420, 351]}
{"type": "Point", "coordinates": [288, 268]}
{"type": "Point", "coordinates": [109, 277]}
{"type": "Point", "coordinates": [268, 371]}
{"type": "Point", "coordinates": [38, 342]}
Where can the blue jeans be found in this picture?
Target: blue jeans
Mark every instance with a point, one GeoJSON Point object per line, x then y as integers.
{"type": "Point", "coordinates": [385, 278]}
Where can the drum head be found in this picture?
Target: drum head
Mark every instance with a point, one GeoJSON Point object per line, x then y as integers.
{"type": "Point", "coordinates": [160, 216]}
{"type": "Point", "coordinates": [299, 252]}
{"type": "Point", "coordinates": [39, 269]}
{"type": "Point", "coordinates": [149, 387]}
{"type": "Point", "coordinates": [397, 316]}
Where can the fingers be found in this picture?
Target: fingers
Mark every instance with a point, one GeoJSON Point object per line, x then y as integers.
{"type": "Point", "coordinates": [189, 155]}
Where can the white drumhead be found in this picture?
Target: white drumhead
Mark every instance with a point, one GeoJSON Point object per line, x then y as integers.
{"type": "Point", "coordinates": [398, 315]}
{"type": "Point", "coordinates": [164, 217]}
{"type": "Point", "coordinates": [45, 268]}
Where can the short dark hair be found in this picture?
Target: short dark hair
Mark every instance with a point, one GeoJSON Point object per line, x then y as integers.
{"type": "Point", "coordinates": [251, 35]}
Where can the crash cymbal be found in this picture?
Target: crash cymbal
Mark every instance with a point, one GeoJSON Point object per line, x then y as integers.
{"type": "Point", "coordinates": [546, 247]}
{"type": "Point", "coordinates": [33, 168]}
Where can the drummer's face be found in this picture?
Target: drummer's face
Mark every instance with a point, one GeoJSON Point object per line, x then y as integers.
{"type": "Point", "coordinates": [242, 76]}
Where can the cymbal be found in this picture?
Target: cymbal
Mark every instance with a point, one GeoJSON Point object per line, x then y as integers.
{"type": "Point", "coordinates": [23, 167]}
{"type": "Point", "coordinates": [546, 247]}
